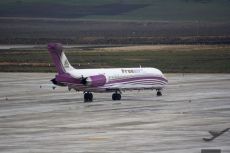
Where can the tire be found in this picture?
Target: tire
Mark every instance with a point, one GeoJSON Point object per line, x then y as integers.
{"type": "Point", "coordinates": [159, 93]}
{"type": "Point", "coordinates": [116, 96]}
{"type": "Point", "coordinates": [88, 97]}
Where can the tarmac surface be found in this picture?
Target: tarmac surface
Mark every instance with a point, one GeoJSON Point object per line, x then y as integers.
{"type": "Point", "coordinates": [35, 118]}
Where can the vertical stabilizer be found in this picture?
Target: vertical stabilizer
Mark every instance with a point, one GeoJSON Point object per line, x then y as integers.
{"type": "Point", "coordinates": [59, 59]}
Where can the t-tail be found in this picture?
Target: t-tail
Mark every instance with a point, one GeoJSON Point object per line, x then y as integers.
{"type": "Point", "coordinates": [59, 59]}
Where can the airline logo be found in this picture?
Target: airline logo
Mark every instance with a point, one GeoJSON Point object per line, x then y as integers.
{"type": "Point", "coordinates": [131, 70]}
{"type": "Point", "coordinates": [66, 64]}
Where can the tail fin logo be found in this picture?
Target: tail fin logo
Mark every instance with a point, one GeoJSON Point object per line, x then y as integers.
{"type": "Point", "coordinates": [66, 64]}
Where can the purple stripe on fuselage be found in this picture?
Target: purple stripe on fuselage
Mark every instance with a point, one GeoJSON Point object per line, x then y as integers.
{"type": "Point", "coordinates": [148, 80]}
{"type": "Point", "coordinates": [137, 78]}
{"type": "Point", "coordinates": [147, 83]}
{"type": "Point", "coordinates": [139, 81]}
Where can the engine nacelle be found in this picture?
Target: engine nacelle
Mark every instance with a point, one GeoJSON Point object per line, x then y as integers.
{"type": "Point", "coordinates": [95, 81]}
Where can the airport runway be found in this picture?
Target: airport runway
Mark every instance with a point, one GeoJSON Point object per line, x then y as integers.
{"type": "Point", "coordinates": [35, 118]}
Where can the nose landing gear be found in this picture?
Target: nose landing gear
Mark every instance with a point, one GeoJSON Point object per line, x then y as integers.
{"type": "Point", "coordinates": [159, 93]}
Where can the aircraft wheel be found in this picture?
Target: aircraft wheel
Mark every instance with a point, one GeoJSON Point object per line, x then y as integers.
{"type": "Point", "coordinates": [88, 97]}
{"type": "Point", "coordinates": [159, 93]}
{"type": "Point", "coordinates": [116, 96]}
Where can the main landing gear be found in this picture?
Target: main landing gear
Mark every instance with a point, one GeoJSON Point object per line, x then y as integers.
{"type": "Point", "coordinates": [159, 93]}
{"type": "Point", "coordinates": [116, 96]}
{"type": "Point", "coordinates": [88, 97]}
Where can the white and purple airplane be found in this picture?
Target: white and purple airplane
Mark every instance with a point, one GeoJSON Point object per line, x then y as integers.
{"type": "Point", "coordinates": [104, 79]}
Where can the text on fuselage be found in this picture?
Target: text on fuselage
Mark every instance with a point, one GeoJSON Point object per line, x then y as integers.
{"type": "Point", "coordinates": [131, 70]}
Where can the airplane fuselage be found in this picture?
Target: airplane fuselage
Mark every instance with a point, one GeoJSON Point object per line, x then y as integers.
{"type": "Point", "coordinates": [116, 79]}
